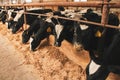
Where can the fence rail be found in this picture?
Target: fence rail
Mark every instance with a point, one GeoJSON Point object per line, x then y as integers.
{"type": "Point", "coordinates": [105, 5]}
{"type": "Point", "coordinates": [83, 21]}
{"type": "Point", "coordinates": [71, 4]}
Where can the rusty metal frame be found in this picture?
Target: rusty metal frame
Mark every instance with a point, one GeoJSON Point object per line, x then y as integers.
{"type": "Point", "coordinates": [104, 4]}
{"type": "Point", "coordinates": [83, 21]}
{"type": "Point", "coordinates": [71, 4]}
{"type": "Point", "coordinates": [105, 12]}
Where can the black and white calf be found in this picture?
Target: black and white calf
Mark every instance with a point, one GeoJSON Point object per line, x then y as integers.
{"type": "Point", "coordinates": [67, 30]}
{"type": "Point", "coordinates": [98, 41]}
{"type": "Point", "coordinates": [3, 16]}
{"type": "Point", "coordinates": [43, 32]}
{"type": "Point", "coordinates": [46, 28]}
{"type": "Point", "coordinates": [12, 12]}
{"type": "Point", "coordinates": [100, 67]}
{"type": "Point", "coordinates": [63, 30]}
{"type": "Point", "coordinates": [34, 27]}
{"type": "Point", "coordinates": [19, 18]}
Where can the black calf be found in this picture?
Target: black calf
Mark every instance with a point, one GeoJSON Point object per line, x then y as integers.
{"type": "Point", "coordinates": [44, 31]}
{"type": "Point", "coordinates": [29, 18]}
{"type": "Point", "coordinates": [3, 16]}
{"type": "Point", "coordinates": [31, 30]}
{"type": "Point", "coordinates": [101, 44]}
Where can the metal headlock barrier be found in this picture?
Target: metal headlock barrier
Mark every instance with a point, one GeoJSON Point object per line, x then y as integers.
{"type": "Point", "coordinates": [105, 5]}
{"type": "Point", "coordinates": [83, 21]}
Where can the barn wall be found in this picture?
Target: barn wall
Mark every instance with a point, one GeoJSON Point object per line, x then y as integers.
{"type": "Point", "coordinates": [19, 1]}
{"type": "Point", "coordinates": [102, 0]}
{"type": "Point", "coordinates": [54, 0]}
{"type": "Point", "coordinates": [36, 0]}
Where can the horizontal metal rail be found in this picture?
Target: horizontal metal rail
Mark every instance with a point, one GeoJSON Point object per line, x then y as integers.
{"type": "Point", "coordinates": [71, 4]}
{"type": "Point", "coordinates": [83, 21]}
{"type": "Point", "coordinates": [75, 4]}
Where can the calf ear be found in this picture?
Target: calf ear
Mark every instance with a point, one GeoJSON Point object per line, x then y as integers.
{"type": "Point", "coordinates": [48, 29]}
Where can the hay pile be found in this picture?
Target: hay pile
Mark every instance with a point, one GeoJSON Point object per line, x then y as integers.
{"type": "Point", "coordinates": [52, 63]}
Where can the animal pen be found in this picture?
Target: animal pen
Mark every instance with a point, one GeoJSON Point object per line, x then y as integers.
{"type": "Point", "coordinates": [104, 5]}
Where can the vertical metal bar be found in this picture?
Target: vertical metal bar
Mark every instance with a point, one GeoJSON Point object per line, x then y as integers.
{"type": "Point", "coordinates": [105, 12]}
{"type": "Point", "coordinates": [25, 23]}
{"type": "Point", "coordinates": [7, 12]}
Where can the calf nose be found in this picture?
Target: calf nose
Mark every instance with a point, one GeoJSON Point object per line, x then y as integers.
{"type": "Point", "coordinates": [57, 44]}
{"type": "Point", "coordinates": [32, 49]}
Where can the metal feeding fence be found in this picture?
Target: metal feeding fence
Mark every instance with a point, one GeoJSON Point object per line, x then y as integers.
{"type": "Point", "coordinates": [105, 5]}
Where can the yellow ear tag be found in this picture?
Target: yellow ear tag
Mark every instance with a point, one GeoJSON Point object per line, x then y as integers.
{"type": "Point", "coordinates": [48, 29]}
{"type": "Point", "coordinates": [98, 34]}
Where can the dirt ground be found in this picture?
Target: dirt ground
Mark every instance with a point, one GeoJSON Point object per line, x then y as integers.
{"type": "Point", "coordinates": [17, 62]}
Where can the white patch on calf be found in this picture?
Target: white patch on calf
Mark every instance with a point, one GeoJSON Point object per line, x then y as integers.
{"type": "Point", "coordinates": [83, 11]}
{"type": "Point", "coordinates": [69, 10]}
{"type": "Point", "coordinates": [58, 29]}
{"type": "Point", "coordinates": [119, 25]}
{"type": "Point", "coordinates": [72, 15]}
{"type": "Point", "coordinates": [6, 24]}
{"type": "Point", "coordinates": [93, 67]}
{"type": "Point", "coordinates": [35, 8]}
{"type": "Point", "coordinates": [10, 13]}
{"type": "Point", "coordinates": [83, 26]}
{"type": "Point", "coordinates": [19, 14]}
{"type": "Point", "coordinates": [48, 20]}
{"type": "Point", "coordinates": [63, 12]}
{"type": "Point", "coordinates": [31, 39]}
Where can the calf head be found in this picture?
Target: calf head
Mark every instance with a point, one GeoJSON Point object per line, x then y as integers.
{"type": "Point", "coordinates": [58, 35]}
{"type": "Point", "coordinates": [10, 24]}
{"type": "Point", "coordinates": [43, 32]}
{"type": "Point", "coordinates": [97, 69]}
{"type": "Point", "coordinates": [85, 36]}
{"type": "Point", "coordinates": [34, 43]}
{"type": "Point", "coordinates": [3, 16]}
{"type": "Point", "coordinates": [17, 25]}
{"type": "Point", "coordinates": [96, 72]}
{"type": "Point", "coordinates": [25, 36]}
{"type": "Point", "coordinates": [36, 40]}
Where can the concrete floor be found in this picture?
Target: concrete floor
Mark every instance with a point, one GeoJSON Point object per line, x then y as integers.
{"type": "Point", "coordinates": [12, 66]}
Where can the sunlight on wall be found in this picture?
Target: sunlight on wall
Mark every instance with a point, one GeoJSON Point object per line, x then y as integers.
{"type": "Point", "coordinates": [28, 1]}
{"type": "Point", "coordinates": [80, 0]}
{"type": "Point", "coordinates": [83, 0]}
